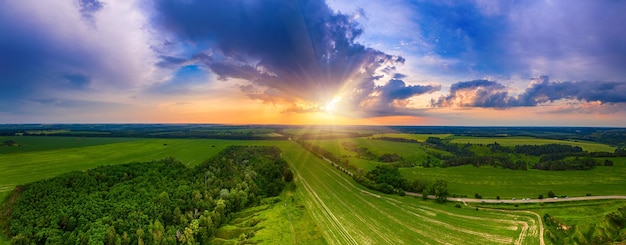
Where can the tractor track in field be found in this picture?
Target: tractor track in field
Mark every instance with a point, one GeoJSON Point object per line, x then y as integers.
{"type": "Point", "coordinates": [492, 237]}
{"type": "Point", "coordinates": [394, 202]}
{"type": "Point", "coordinates": [333, 221]}
{"type": "Point", "coordinates": [371, 225]}
{"type": "Point", "coordinates": [525, 226]}
{"type": "Point", "coordinates": [385, 214]}
{"type": "Point", "coordinates": [496, 238]}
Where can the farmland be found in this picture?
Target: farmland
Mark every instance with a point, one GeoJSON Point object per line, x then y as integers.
{"type": "Point", "coordinates": [492, 182]}
{"type": "Point", "coordinates": [350, 214]}
{"type": "Point", "coordinates": [513, 141]}
{"type": "Point", "coordinates": [488, 181]}
{"type": "Point", "coordinates": [324, 191]}
{"type": "Point", "coordinates": [56, 157]}
{"type": "Point", "coordinates": [327, 206]}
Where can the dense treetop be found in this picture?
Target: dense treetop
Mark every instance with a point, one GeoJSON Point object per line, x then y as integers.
{"type": "Point", "coordinates": [159, 202]}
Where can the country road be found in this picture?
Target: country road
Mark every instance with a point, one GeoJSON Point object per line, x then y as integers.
{"type": "Point", "coordinates": [475, 200]}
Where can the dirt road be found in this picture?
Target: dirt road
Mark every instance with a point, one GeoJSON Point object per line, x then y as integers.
{"type": "Point", "coordinates": [475, 200]}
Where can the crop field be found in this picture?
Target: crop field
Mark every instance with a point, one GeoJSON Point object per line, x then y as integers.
{"type": "Point", "coordinates": [491, 182]}
{"type": "Point", "coordinates": [349, 214]}
{"type": "Point", "coordinates": [409, 151]}
{"type": "Point", "coordinates": [513, 141]}
{"type": "Point", "coordinates": [42, 143]}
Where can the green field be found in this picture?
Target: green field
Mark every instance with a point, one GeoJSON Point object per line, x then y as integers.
{"type": "Point", "coordinates": [491, 182]}
{"type": "Point", "coordinates": [349, 214]}
{"type": "Point", "coordinates": [577, 219]}
{"type": "Point", "coordinates": [412, 152]}
{"type": "Point", "coordinates": [331, 205]}
{"type": "Point", "coordinates": [42, 143]}
{"type": "Point", "coordinates": [285, 221]}
{"type": "Point", "coordinates": [418, 137]}
{"type": "Point", "coordinates": [515, 140]}
{"type": "Point", "coordinates": [56, 157]}
{"type": "Point", "coordinates": [344, 212]}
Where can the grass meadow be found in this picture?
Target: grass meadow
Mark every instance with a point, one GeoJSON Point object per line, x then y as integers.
{"type": "Point", "coordinates": [491, 182]}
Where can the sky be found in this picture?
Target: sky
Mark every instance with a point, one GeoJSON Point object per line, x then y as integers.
{"type": "Point", "coordinates": [403, 62]}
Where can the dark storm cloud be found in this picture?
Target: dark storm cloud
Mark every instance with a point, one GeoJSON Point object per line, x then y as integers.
{"type": "Point", "coordinates": [491, 94]}
{"type": "Point", "coordinates": [300, 50]}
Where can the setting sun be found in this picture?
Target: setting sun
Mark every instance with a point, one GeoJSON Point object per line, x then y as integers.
{"type": "Point", "coordinates": [331, 107]}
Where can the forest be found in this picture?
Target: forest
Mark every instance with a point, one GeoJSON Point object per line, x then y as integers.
{"type": "Point", "coordinates": [158, 202]}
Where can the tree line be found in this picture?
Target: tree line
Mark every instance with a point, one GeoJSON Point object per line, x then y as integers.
{"type": "Point", "coordinates": [158, 202]}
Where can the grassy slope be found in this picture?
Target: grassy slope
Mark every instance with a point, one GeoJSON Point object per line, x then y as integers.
{"type": "Point", "coordinates": [283, 222]}
{"type": "Point", "coordinates": [580, 218]}
{"type": "Point", "coordinates": [513, 141]}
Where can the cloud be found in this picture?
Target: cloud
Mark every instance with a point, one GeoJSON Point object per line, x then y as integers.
{"type": "Point", "coordinates": [542, 91]}
{"type": "Point", "coordinates": [478, 38]}
{"type": "Point", "coordinates": [300, 51]}
{"type": "Point", "coordinates": [58, 48]}
{"type": "Point", "coordinates": [491, 94]}
{"type": "Point", "coordinates": [578, 40]}
{"type": "Point", "coordinates": [393, 97]}
{"type": "Point", "coordinates": [89, 7]}
{"type": "Point", "coordinates": [476, 93]}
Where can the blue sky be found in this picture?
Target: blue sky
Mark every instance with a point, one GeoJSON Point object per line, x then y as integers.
{"type": "Point", "coordinates": [474, 62]}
